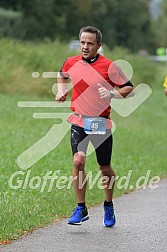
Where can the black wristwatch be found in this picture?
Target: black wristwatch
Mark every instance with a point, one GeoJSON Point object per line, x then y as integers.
{"type": "Point", "coordinates": [112, 93]}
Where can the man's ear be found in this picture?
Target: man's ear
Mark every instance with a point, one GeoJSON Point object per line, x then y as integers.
{"type": "Point", "coordinates": [99, 44]}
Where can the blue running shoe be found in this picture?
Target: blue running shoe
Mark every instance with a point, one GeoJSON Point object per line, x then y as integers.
{"type": "Point", "coordinates": [109, 216]}
{"type": "Point", "coordinates": [80, 214]}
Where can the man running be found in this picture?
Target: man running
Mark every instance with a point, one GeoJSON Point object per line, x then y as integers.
{"type": "Point", "coordinates": [95, 81]}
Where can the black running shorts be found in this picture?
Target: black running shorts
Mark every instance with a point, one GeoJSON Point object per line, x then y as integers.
{"type": "Point", "coordinates": [102, 144]}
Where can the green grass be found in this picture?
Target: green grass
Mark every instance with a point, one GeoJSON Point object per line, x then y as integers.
{"type": "Point", "coordinates": [139, 140]}
{"type": "Point", "coordinates": [139, 145]}
{"type": "Point", "coordinates": [20, 59]}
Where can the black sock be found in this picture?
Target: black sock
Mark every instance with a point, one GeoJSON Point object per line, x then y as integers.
{"type": "Point", "coordinates": [82, 204]}
{"type": "Point", "coordinates": [108, 203]}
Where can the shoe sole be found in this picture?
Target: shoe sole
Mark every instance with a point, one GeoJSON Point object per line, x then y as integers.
{"type": "Point", "coordinates": [79, 223]}
{"type": "Point", "coordinates": [108, 226]}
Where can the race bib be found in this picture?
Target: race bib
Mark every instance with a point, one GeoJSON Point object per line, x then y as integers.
{"type": "Point", "coordinates": [95, 125]}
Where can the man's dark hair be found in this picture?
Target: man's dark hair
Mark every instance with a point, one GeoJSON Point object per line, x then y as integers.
{"type": "Point", "coordinates": [92, 29]}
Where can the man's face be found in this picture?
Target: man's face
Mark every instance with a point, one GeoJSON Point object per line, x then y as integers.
{"type": "Point", "coordinates": [89, 46]}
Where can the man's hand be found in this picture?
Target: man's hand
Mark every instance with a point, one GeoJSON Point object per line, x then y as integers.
{"type": "Point", "coordinates": [116, 94]}
{"type": "Point", "coordinates": [104, 93]}
{"type": "Point", "coordinates": [61, 96]}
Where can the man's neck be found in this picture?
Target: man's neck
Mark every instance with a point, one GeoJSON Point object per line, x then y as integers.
{"type": "Point", "coordinates": [91, 60]}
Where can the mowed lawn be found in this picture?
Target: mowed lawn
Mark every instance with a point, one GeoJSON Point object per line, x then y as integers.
{"type": "Point", "coordinates": [27, 202]}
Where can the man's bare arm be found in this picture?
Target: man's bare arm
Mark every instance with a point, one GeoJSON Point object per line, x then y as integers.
{"type": "Point", "coordinates": [62, 88]}
{"type": "Point", "coordinates": [123, 92]}
{"type": "Point", "coordinates": [117, 94]}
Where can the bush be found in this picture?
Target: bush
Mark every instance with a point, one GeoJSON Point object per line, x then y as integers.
{"type": "Point", "coordinates": [10, 23]}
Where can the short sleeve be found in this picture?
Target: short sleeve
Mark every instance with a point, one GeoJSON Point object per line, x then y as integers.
{"type": "Point", "coordinates": [64, 69]}
{"type": "Point", "coordinates": [116, 75]}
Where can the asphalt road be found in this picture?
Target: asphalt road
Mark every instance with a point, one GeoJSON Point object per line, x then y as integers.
{"type": "Point", "coordinates": [141, 226]}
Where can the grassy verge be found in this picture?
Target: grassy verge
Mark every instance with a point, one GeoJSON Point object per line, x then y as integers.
{"type": "Point", "coordinates": [20, 59]}
{"type": "Point", "coordinates": [139, 145]}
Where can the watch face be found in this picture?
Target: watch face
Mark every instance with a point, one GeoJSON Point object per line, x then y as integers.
{"type": "Point", "coordinates": [111, 93]}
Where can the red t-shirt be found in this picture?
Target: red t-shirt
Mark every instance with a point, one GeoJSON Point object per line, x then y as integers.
{"type": "Point", "coordinates": [85, 78]}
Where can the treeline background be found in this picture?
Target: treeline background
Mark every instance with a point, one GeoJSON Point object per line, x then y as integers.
{"type": "Point", "coordinates": [130, 24]}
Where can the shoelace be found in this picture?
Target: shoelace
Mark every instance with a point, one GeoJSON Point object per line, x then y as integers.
{"type": "Point", "coordinates": [109, 212]}
{"type": "Point", "coordinates": [76, 210]}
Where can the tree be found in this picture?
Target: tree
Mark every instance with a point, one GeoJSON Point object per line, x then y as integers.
{"type": "Point", "coordinates": [123, 23]}
{"type": "Point", "coordinates": [126, 23]}
{"type": "Point", "coordinates": [160, 26]}
{"type": "Point", "coordinates": [42, 19]}
{"type": "Point", "coordinates": [12, 5]}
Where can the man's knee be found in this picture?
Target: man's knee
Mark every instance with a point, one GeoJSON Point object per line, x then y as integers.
{"type": "Point", "coordinates": [106, 170]}
{"type": "Point", "coordinates": [79, 161]}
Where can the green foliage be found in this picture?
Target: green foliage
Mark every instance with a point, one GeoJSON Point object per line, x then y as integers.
{"type": "Point", "coordinates": [10, 23]}
{"type": "Point", "coordinates": [43, 19]}
{"type": "Point", "coordinates": [123, 23]}
{"type": "Point", "coordinates": [20, 59]}
{"type": "Point", "coordinates": [126, 24]}
{"type": "Point", "coordinates": [160, 26]}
